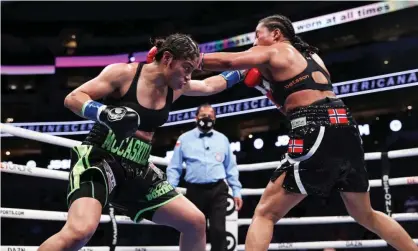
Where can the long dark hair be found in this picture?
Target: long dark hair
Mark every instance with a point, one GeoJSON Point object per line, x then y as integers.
{"type": "Point", "coordinates": [180, 45]}
{"type": "Point", "coordinates": [285, 26]}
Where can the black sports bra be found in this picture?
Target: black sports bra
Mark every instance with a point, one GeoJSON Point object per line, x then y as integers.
{"type": "Point", "coordinates": [280, 90]}
{"type": "Point", "coordinates": [150, 119]}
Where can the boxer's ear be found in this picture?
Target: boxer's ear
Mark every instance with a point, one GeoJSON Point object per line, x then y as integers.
{"type": "Point", "coordinates": [277, 34]}
{"type": "Point", "coordinates": [167, 58]}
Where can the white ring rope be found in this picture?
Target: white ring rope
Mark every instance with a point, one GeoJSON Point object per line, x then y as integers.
{"type": "Point", "coordinates": [55, 140]}
{"type": "Point", "coordinates": [273, 246]}
{"type": "Point", "coordinates": [328, 219]}
{"type": "Point", "coordinates": [33, 135]}
{"type": "Point", "coordinates": [326, 244]}
{"type": "Point", "coordinates": [37, 136]}
{"type": "Point", "coordinates": [63, 175]}
{"type": "Point", "coordinates": [18, 213]}
{"type": "Point", "coordinates": [373, 183]}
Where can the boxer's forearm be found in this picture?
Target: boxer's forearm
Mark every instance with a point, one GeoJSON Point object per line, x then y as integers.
{"type": "Point", "coordinates": [222, 61]}
{"type": "Point", "coordinates": [206, 87]}
{"type": "Point", "coordinates": [75, 101]}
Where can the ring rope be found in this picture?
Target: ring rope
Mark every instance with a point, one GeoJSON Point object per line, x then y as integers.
{"type": "Point", "coordinates": [326, 244]}
{"type": "Point", "coordinates": [30, 214]}
{"type": "Point", "coordinates": [272, 246]}
{"type": "Point", "coordinates": [51, 139]}
{"type": "Point", "coordinates": [63, 175]}
{"type": "Point", "coordinates": [55, 140]}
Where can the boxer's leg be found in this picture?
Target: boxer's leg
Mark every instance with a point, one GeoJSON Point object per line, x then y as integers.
{"type": "Point", "coordinates": [87, 195]}
{"type": "Point", "coordinates": [359, 207]}
{"type": "Point", "coordinates": [83, 219]}
{"type": "Point", "coordinates": [184, 216]}
{"type": "Point", "coordinates": [274, 204]}
{"type": "Point", "coordinates": [164, 205]}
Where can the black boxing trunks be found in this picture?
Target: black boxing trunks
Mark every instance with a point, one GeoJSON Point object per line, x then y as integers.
{"type": "Point", "coordinates": [325, 151]}
{"type": "Point", "coordinates": [120, 175]}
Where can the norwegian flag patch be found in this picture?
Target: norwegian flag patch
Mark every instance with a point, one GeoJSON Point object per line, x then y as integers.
{"type": "Point", "coordinates": [295, 146]}
{"type": "Point", "coordinates": [338, 116]}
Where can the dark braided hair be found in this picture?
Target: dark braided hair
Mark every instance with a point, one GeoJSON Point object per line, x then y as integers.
{"type": "Point", "coordinates": [285, 26]}
{"type": "Point", "coordinates": [180, 45]}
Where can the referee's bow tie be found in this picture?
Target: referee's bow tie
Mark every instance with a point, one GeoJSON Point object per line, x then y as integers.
{"type": "Point", "coordinates": [208, 134]}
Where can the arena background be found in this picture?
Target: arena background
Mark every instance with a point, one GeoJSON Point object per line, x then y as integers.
{"type": "Point", "coordinates": [36, 33]}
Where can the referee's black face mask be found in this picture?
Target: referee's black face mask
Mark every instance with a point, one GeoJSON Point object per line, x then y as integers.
{"type": "Point", "coordinates": [205, 120]}
{"type": "Point", "coordinates": [205, 123]}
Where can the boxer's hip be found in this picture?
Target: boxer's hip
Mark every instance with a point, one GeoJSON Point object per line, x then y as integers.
{"type": "Point", "coordinates": [325, 120]}
{"type": "Point", "coordinates": [324, 151]}
{"type": "Point", "coordinates": [326, 112]}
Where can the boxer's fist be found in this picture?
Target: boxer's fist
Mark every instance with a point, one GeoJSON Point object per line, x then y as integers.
{"type": "Point", "coordinates": [151, 54]}
{"type": "Point", "coordinates": [123, 121]}
{"type": "Point", "coordinates": [252, 78]}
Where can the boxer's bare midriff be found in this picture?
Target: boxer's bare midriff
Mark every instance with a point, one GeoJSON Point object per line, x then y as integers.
{"type": "Point", "coordinates": [305, 98]}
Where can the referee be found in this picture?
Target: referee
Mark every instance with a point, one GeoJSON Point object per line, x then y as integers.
{"type": "Point", "coordinates": [209, 161]}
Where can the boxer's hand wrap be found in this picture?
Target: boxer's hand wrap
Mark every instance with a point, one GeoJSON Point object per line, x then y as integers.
{"type": "Point", "coordinates": [232, 77]}
{"type": "Point", "coordinates": [123, 121]}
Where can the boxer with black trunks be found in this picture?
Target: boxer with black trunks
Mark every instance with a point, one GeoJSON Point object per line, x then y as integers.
{"type": "Point", "coordinates": [325, 149]}
{"type": "Point", "coordinates": [111, 165]}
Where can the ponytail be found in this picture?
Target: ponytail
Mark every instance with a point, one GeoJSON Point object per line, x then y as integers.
{"type": "Point", "coordinates": [302, 46]}
{"type": "Point", "coordinates": [157, 42]}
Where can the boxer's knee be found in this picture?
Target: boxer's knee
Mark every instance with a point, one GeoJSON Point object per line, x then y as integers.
{"type": "Point", "coordinates": [83, 219]}
{"type": "Point", "coordinates": [264, 212]}
{"type": "Point", "coordinates": [78, 231]}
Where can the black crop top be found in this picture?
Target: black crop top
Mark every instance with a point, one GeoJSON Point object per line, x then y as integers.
{"type": "Point", "coordinates": [150, 119]}
{"type": "Point", "coordinates": [280, 90]}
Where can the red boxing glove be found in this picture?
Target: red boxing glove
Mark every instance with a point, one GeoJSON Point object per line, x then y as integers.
{"type": "Point", "coordinates": [151, 54]}
{"type": "Point", "coordinates": [265, 90]}
{"type": "Point", "coordinates": [252, 78]}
